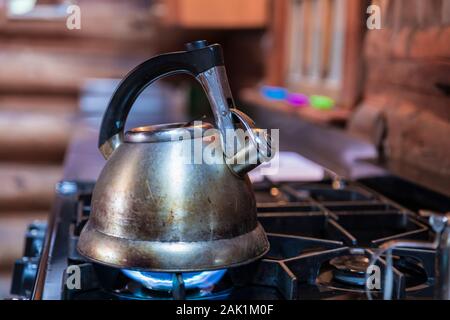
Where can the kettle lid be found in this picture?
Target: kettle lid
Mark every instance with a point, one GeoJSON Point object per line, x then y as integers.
{"type": "Point", "coordinates": [169, 132]}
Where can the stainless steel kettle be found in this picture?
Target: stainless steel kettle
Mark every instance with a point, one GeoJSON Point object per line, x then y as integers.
{"type": "Point", "coordinates": [153, 211]}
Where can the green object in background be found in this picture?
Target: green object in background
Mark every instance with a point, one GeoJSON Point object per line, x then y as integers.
{"type": "Point", "coordinates": [321, 102]}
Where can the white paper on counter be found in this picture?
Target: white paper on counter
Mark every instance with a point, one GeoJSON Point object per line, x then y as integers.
{"type": "Point", "coordinates": [288, 166]}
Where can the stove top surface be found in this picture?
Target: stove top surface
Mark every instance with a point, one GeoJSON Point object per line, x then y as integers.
{"type": "Point", "coordinates": [321, 234]}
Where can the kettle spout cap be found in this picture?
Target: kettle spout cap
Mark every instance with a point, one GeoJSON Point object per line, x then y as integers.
{"type": "Point", "coordinates": [255, 151]}
{"type": "Point", "coordinates": [110, 145]}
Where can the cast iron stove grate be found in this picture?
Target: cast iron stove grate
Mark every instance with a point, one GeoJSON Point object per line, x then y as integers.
{"type": "Point", "coordinates": [308, 225]}
{"type": "Point", "coordinates": [320, 233]}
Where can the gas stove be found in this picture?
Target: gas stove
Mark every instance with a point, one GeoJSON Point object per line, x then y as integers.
{"type": "Point", "coordinates": [322, 235]}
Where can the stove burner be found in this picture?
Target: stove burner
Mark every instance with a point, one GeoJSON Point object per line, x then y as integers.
{"type": "Point", "coordinates": [179, 286]}
{"type": "Point", "coordinates": [350, 269]}
{"type": "Point", "coordinates": [352, 263]}
{"type": "Point", "coordinates": [345, 274]}
{"type": "Point", "coordinates": [160, 281]}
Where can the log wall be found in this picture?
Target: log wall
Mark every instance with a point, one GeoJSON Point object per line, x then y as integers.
{"type": "Point", "coordinates": [406, 106]}
{"type": "Point", "coordinates": [43, 66]}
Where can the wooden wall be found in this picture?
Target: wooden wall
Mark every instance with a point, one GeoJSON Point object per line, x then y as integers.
{"type": "Point", "coordinates": [43, 66]}
{"type": "Point", "coordinates": [406, 106]}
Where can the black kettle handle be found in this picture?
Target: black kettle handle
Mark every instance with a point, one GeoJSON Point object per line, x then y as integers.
{"type": "Point", "coordinates": [197, 59]}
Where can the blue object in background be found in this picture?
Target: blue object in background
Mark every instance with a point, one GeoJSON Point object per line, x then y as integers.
{"type": "Point", "coordinates": [274, 93]}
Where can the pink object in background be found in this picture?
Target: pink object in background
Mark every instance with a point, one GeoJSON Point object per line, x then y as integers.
{"type": "Point", "coordinates": [298, 99]}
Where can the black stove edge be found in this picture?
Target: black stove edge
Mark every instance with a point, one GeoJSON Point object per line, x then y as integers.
{"type": "Point", "coordinates": [67, 193]}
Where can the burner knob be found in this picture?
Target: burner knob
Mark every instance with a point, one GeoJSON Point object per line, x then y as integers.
{"type": "Point", "coordinates": [24, 276]}
{"type": "Point", "coordinates": [25, 269]}
{"type": "Point", "coordinates": [34, 239]}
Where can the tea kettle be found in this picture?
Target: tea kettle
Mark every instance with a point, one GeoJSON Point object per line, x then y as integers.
{"type": "Point", "coordinates": [153, 211]}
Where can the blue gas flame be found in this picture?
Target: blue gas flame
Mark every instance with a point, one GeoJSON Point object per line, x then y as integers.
{"type": "Point", "coordinates": [162, 281]}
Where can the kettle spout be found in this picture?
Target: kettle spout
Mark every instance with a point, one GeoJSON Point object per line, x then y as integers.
{"type": "Point", "coordinates": [251, 154]}
{"type": "Point", "coordinates": [256, 147]}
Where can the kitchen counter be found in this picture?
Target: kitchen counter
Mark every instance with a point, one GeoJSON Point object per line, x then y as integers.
{"type": "Point", "coordinates": [328, 147]}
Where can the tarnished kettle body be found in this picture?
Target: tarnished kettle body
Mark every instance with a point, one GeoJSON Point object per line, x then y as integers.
{"type": "Point", "coordinates": [153, 210]}
{"type": "Point", "coordinates": [163, 214]}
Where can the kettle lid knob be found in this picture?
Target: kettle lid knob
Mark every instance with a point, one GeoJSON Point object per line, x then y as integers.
{"type": "Point", "coordinates": [195, 45]}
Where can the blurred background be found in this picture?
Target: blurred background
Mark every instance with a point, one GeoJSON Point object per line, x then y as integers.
{"type": "Point", "coordinates": [389, 86]}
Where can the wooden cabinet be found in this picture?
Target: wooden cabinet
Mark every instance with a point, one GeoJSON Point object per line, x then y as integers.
{"type": "Point", "coordinates": [315, 47]}
{"type": "Point", "coordinates": [220, 14]}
